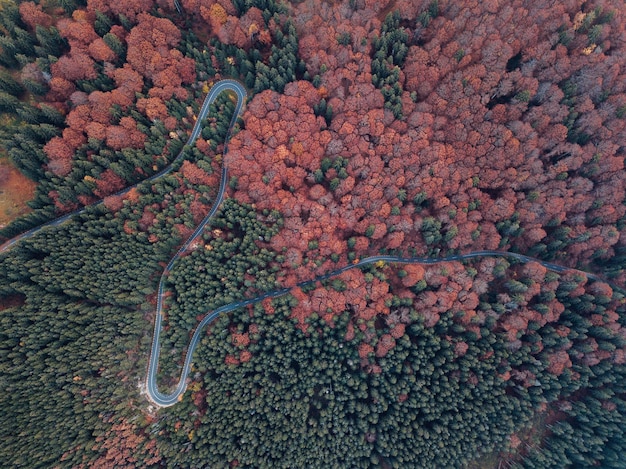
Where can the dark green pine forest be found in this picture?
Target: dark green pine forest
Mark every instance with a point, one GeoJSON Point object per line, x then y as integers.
{"type": "Point", "coordinates": [485, 363]}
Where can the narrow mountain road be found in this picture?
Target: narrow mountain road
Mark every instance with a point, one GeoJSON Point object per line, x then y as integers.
{"type": "Point", "coordinates": [216, 90]}
{"type": "Point", "coordinates": [164, 400]}
{"type": "Point", "coordinates": [151, 386]}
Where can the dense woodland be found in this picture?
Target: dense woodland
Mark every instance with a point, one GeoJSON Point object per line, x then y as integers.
{"type": "Point", "coordinates": [406, 127]}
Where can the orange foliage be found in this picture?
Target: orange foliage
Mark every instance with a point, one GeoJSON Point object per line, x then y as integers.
{"type": "Point", "coordinates": [124, 135]}
{"type": "Point", "coordinates": [126, 445]}
{"type": "Point", "coordinates": [129, 8]}
{"type": "Point", "coordinates": [384, 344]}
{"type": "Point", "coordinates": [34, 16]}
{"type": "Point", "coordinates": [558, 362]}
{"type": "Point", "coordinates": [194, 174]}
{"type": "Point", "coordinates": [152, 52]}
{"type": "Point", "coordinates": [60, 89]}
{"type": "Point", "coordinates": [415, 273]}
{"type": "Point", "coordinates": [113, 203]}
{"type": "Point", "coordinates": [60, 156]}
{"type": "Point", "coordinates": [365, 350]}
{"type": "Point", "coordinates": [108, 182]}
{"type": "Point", "coordinates": [128, 81]}
{"type": "Point", "coordinates": [215, 15]}
{"type": "Point", "coordinates": [398, 331]}
{"type": "Point", "coordinates": [99, 50]}
{"type": "Point", "coordinates": [231, 360]}
{"type": "Point", "coordinates": [460, 349]}
{"type": "Point", "coordinates": [240, 340]}
{"type": "Point", "coordinates": [153, 108]}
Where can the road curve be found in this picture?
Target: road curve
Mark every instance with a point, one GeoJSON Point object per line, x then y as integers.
{"type": "Point", "coordinates": [165, 400]}
{"type": "Point", "coordinates": [152, 390]}
{"type": "Point", "coordinates": [171, 399]}
{"type": "Point", "coordinates": [222, 85]}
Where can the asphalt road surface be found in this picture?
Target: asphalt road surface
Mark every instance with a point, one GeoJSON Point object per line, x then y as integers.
{"type": "Point", "coordinates": [164, 400]}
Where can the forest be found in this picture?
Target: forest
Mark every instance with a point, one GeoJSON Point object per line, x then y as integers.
{"type": "Point", "coordinates": [413, 128]}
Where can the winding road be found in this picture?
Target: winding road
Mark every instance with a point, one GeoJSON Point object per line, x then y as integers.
{"type": "Point", "coordinates": [164, 400]}
{"type": "Point", "coordinates": [215, 91]}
